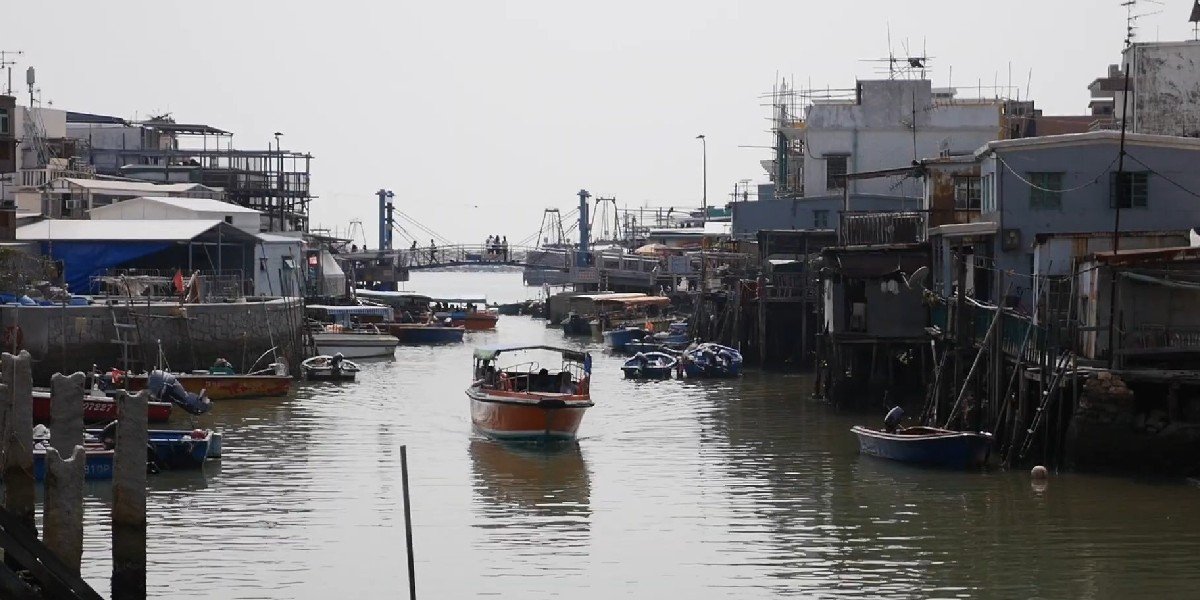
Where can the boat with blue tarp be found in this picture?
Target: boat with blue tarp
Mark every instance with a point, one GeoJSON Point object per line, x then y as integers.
{"type": "Point", "coordinates": [711, 361]}
{"type": "Point", "coordinates": [619, 338]}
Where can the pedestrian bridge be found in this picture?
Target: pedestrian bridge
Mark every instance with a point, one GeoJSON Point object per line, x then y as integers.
{"type": "Point", "coordinates": [605, 266]}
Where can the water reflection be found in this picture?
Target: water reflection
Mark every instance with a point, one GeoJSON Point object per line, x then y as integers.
{"type": "Point", "coordinates": [546, 482]}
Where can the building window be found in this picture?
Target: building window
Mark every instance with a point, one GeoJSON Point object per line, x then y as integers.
{"type": "Point", "coordinates": [987, 193]}
{"type": "Point", "coordinates": [1045, 190]}
{"type": "Point", "coordinates": [835, 171]}
{"type": "Point", "coordinates": [1132, 191]}
{"type": "Point", "coordinates": [820, 219]}
{"type": "Point", "coordinates": [229, 219]}
{"type": "Point", "coordinates": [967, 194]}
{"type": "Point", "coordinates": [4, 121]}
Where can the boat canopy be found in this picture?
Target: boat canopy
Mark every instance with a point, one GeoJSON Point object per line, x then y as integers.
{"type": "Point", "coordinates": [410, 297]}
{"type": "Point", "coordinates": [491, 352]}
{"type": "Point", "coordinates": [342, 314]}
{"type": "Point", "coordinates": [462, 300]}
{"type": "Point", "coordinates": [637, 301]}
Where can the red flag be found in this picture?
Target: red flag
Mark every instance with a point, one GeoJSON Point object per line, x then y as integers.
{"type": "Point", "coordinates": [178, 281]}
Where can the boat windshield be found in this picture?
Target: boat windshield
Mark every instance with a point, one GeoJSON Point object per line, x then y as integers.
{"type": "Point", "coordinates": [532, 376]}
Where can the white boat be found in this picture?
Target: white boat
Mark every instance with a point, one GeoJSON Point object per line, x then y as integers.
{"type": "Point", "coordinates": [355, 343]}
{"type": "Point", "coordinates": [329, 368]}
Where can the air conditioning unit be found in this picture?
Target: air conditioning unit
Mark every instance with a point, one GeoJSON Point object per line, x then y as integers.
{"type": "Point", "coordinates": [72, 204]}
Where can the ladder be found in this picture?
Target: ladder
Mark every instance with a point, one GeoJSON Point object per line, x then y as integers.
{"type": "Point", "coordinates": [1060, 370]}
{"type": "Point", "coordinates": [127, 340]}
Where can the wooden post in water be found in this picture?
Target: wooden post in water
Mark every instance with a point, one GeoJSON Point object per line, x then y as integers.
{"type": "Point", "coordinates": [412, 571]}
{"type": "Point", "coordinates": [16, 406]}
{"type": "Point", "coordinates": [762, 320]}
{"type": "Point", "coordinates": [129, 499]}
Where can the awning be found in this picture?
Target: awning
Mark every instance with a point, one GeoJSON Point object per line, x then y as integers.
{"type": "Point", "coordinates": [491, 352]}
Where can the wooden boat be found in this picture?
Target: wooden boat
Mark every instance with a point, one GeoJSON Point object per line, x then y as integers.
{"type": "Point", "coordinates": [329, 368]}
{"type": "Point", "coordinates": [98, 409]}
{"type": "Point", "coordinates": [524, 402]}
{"type": "Point", "coordinates": [426, 333]}
{"type": "Point", "coordinates": [98, 463]}
{"type": "Point", "coordinates": [926, 445]}
{"type": "Point", "coordinates": [225, 387]}
{"type": "Point", "coordinates": [649, 365]}
{"type": "Point", "coordinates": [711, 361]}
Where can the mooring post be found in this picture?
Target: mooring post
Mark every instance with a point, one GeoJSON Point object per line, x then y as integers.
{"type": "Point", "coordinates": [62, 512]}
{"type": "Point", "coordinates": [17, 430]}
{"type": "Point", "coordinates": [412, 571]}
{"type": "Point", "coordinates": [129, 499]}
{"type": "Point", "coordinates": [66, 412]}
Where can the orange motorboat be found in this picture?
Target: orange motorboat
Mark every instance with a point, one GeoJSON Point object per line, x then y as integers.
{"type": "Point", "coordinates": [526, 401]}
{"type": "Point", "coordinates": [470, 312]}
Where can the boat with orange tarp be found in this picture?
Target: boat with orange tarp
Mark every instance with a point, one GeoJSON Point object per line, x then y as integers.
{"type": "Point", "coordinates": [526, 401]}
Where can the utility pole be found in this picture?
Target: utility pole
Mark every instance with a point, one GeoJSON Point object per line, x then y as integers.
{"type": "Point", "coordinates": [703, 211]}
{"type": "Point", "coordinates": [581, 259]}
{"type": "Point", "coordinates": [1121, 196]}
{"type": "Point", "coordinates": [385, 218]}
{"type": "Point", "coordinates": [279, 178]}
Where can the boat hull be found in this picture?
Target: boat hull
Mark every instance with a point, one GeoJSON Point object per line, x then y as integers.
{"type": "Point", "coordinates": [619, 339]}
{"type": "Point", "coordinates": [97, 409]}
{"type": "Point", "coordinates": [353, 345]}
{"type": "Point", "coordinates": [98, 464]}
{"type": "Point", "coordinates": [950, 449]}
{"type": "Point", "coordinates": [227, 387]}
{"type": "Point", "coordinates": [427, 334]}
{"type": "Point", "coordinates": [647, 372]}
{"type": "Point", "coordinates": [515, 419]}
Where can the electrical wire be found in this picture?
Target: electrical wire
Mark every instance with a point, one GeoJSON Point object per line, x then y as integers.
{"type": "Point", "coordinates": [1165, 178]}
{"type": "Point", "coordinates": [1092, 181]}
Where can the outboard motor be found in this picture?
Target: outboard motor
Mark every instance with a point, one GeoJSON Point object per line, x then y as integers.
{"type": "Point", "coordinates": [892, 420]}
{"type": "Point", "coordinates": [166, 387]}
{"type": "Point", "coordinates": [335, 362]}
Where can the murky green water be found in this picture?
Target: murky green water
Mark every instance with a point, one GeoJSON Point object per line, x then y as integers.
{"type": "Point", "coordinates": [677, 489]}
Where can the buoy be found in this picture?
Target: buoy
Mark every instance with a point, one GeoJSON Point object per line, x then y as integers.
{"type": "Point", "coordinates": [199, 434]}
{"type": "Point", "coordinates": [1038, 472]}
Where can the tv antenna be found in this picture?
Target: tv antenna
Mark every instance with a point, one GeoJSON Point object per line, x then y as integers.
{"type": "Point", "coordinates": [1131, 19]}
{"type": "Point", "coordinates": [907, 65]}
{"type": "Point", "coordinates": [7, 64]}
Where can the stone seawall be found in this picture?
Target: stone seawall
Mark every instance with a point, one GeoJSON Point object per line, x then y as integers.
{"type": "Point", "coordinates": [73, 338]}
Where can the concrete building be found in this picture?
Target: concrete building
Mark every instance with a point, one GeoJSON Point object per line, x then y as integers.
{"type": "Point", "coordinates": [1047, 202]}
{"type": "Point", "coordinates": [161, 207]}
{"type": "Point", "coordinates": [1164, 83]}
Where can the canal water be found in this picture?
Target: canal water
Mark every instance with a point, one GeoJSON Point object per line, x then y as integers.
{"type": "Point", "coordinates": [676, 489]}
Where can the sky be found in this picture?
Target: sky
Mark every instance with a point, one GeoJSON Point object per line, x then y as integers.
{"type": "Point", "coordinates": [479, 115]}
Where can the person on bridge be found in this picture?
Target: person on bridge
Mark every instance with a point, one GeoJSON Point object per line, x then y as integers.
{"type": "Point", "coordinates": [412, 255]}
{"type": "Point", "coordinates": [504, 246]}
{"type": "Point", "coordinates": [432, 252]}
{"type": "Point", "coordinates": [488, 246]}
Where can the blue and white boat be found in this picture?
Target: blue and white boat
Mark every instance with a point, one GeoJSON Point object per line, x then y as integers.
{"type": "Point", "coordinates": [618, 339]}
{"type": "Point", "coordinates": [97, 466]}
{"type": "Point", "coordinates": [649, 365]}
{"type": "Point", "coordinates": [712, 361]}
{"type": "Point", "coordinates": [926, 446]}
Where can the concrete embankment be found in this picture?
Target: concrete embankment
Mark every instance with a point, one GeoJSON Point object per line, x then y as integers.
{"type": "Point", "coordinates": [73, 338]}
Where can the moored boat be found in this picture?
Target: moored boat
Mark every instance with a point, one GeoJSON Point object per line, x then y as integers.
{"type": "Point", "coordinates": [426, 333]}
{"type": "Point", "coordinates": [221, 386]}
{"type": "Point", "coordinates": [98, 462]}
{"type": "Point", "coordinates": [649, 365]}
{"type": "Point", "coordinates": [470, 312]}
{"type": "Point", "coordinates": [98, 409]}
{"type": "Point", "coordinates": [926, 446]}
{"type": "Point", "coordinates": [329, 368]}
{"type": "Point", "coordinates": [352, 330]}
{"type": "Point", "coordinates": [618, 339]}
{"type": "Point", "coordinates": [711, 361]}
{"type": "Point", "coordinates": [676, 335]}
{"type": "Point", "coordinates": [575, 324]}
{"type": "Point", "coordinates": [524, 402]}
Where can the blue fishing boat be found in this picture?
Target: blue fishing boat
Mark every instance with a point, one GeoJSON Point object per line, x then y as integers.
{"type": "Point", "coordinates": [649, 365]}
{"type": "Point", "coordinates": [675, 335]}
{"type": "Point", "coordinates": [711, 361]}
{"type": "Point", "coordinates": [635, 347]}
{"type": "Point", "coordinates": [619, 338]}
{"type": "Point", "coordinates": [172, 448]}
{"type": "Point", "coordinates": [98, 464]}
{"type": "Point", "coordinates": [926, 446]}
{"type": "Point", "coordinates": [575, 324]}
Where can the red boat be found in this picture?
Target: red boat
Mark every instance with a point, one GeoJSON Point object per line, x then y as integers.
{"type": "Point", "coordinates": [226, 387]}
{"type": "Point", "coordinates": [470, 312]}
{"type": "Point", "coordinates": [527, 403]}
{"type": "Point", "coordinates": [98, 409]}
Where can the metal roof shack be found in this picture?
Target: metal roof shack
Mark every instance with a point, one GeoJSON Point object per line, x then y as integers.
{"type": "Point", "coordinates": [90, 249]}
{"type": "Point", "coordinates": [161, 207]}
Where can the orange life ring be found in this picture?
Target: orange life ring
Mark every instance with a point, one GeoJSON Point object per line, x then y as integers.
{"type": "Point", "coordinates": [13, 337]}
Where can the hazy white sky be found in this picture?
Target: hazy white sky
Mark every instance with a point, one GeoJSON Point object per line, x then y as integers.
{"type": "Point", "coordinates": [480, 114]}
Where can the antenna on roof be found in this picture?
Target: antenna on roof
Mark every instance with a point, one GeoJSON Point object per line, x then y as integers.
{"type": "Point", "coordinates": [1194, 20]}
{"type": "Point", "coordinates": [7, 64]}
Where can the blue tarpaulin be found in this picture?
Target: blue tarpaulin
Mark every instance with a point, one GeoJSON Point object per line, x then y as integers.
{"type": "Point", "coordinates": [82, 260]}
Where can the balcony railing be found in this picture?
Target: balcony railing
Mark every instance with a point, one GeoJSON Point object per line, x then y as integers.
{"type": "Point", "coordinates": [1151, 339]}
{"type": "Point", "coordinates": [875, 228]}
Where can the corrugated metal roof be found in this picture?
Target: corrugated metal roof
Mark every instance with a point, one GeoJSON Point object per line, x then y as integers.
{"type": "Point", "coordinates": [277, 238]}
{"type": "Point", "coordinates": [115, 230]}
{"type": "Point", "coordinates": [134, 186]}
{"type": "Point", "coordinates": [196, 204]}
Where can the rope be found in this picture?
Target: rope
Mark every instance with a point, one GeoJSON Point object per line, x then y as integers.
{"type": "Point", "coordinates": [1062, 191]}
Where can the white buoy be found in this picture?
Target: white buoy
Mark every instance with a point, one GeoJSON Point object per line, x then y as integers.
{"type": "Point", "coordinates": [1039, 472]}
